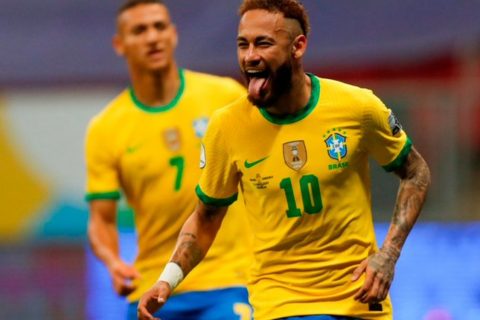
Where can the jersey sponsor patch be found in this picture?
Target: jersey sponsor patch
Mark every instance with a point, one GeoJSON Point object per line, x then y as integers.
{"type": "Point", "coordinates": [295, 154]}
{"type": "Point", "coordinates": [203, 158]}
{"type": "Point", "coordinates": [395, 125]}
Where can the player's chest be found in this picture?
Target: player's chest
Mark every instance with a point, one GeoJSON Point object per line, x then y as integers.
{"type": "Point", "coordinates": [318, 154]}
{"type": "Point", "coordinates": [151, 147]}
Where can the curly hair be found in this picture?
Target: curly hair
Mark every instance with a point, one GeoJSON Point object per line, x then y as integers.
{"type": "Point", "coordinates": [291, 9]}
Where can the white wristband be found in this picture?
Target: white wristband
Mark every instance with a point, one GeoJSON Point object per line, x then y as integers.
{"type": "Point", "coordinates": [172, 274]}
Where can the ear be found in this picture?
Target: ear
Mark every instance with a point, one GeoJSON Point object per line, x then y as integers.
{"type": "Point", "coordinates": [299, 46]}
{"type": "Point", "coordinates": [117, 44]}
{"type": "Point", "coordinates": [175, 38]}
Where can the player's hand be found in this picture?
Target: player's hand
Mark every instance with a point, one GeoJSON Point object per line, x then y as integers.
{"type": "Point", "coordinates": [379, 269]}
{"type": "Point", "coordinates": [122, 275]}
{"type": "Point", "coordinates": [152, 300]}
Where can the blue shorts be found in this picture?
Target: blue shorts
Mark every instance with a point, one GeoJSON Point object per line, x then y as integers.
{"type": "Point", "coordinates": [222, 304]}
{"type": "Point", "coordinates": [319, 317]}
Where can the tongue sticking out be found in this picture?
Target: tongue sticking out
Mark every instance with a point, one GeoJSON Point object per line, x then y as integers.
{"type": "Point", "coordinates": [255, 87]}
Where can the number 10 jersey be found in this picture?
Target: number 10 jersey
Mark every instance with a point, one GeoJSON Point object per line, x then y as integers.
{"type": "Point", "coordinates": [306, 185]}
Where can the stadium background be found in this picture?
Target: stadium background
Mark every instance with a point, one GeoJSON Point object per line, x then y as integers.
{"type": "Point", "coordinates": [57, 69]}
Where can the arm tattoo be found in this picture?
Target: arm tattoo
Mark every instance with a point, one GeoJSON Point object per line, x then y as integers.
{"type": "Point", "coordinates": [188, 234]}
{"type": "Point", "coordinates": [188, 253]}
{"type": "Point", "coordinates": [192, 246]}
{"type": "Point", "coordinates": [415, 180]}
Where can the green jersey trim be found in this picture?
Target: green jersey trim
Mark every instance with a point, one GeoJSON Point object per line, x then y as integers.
{"type": "Point", "coordinates": [213, 201]}
{"type": "Point", "coordinates": [301, 114]}
{"type": "Point", "coordinates": [114, 195]}
{"type": "Point", "coordinates": [401, 158]}
{"type": "Point", "coordinates": [158, 109]}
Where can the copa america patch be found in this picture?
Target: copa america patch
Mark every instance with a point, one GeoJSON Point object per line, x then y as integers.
{"type": "Point", "coordinates": [395, 125]}
{"type": "Point", "coordinates": [203, 157]}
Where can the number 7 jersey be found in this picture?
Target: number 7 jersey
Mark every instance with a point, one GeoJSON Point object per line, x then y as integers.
{"type": "Point", "coordinates": [151, 155]}
{"type": "Point", "coordinates": [306, 185]}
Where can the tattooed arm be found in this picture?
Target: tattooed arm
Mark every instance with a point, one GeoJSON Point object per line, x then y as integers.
{"type": "Point", "coordinates": [379, 268]}
{"type": "Point", "coordinates": [193, 242]}
{"type": "Point", "coordinates": [197, 236]}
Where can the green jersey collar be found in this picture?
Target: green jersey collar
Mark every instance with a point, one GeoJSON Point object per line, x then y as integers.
{"type": "Point", "coordinates": [157, 109]}
{"type": "Point", "coordinates": [301, 114]}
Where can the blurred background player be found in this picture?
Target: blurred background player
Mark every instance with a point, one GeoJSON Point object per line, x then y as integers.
{"type": "Point", "coordinates": [146, 143]}
{"type": "Point", "coordinates": [309, 139]}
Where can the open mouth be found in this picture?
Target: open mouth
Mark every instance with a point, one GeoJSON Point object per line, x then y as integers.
{"type": "Point", "coordinates": [258, 81]}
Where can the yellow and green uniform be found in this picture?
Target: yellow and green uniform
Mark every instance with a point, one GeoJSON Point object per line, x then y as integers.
{"type": "Point", "coordinates": [151, 155]}
{"type": "Point", "coordinates": [306, 185]}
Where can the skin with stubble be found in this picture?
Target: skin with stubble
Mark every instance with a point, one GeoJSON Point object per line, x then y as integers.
{"type": "Point", "coordinates": [146, 39]}
{"type": "Point", "coordinates": [270, 49]}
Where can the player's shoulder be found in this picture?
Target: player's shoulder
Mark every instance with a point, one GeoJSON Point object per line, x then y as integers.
{"type": "Point", "coordinates": [333, 89]}
{"type": "Point", "coordinates": [112, 112]}
{"type": "Point", "coordinates": [232, 113]}
{"type": "Point", "coordinates": [214, 82]}
{"type": "Point", "coordinates": [348, 100]}
{"type": "Point", "coordinates": [344, 87]}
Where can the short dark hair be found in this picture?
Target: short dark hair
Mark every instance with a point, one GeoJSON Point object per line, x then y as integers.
{"type": "Point", "coordinates": [291, 9]}
{"type": "Point", "coordinates": [133, 3]}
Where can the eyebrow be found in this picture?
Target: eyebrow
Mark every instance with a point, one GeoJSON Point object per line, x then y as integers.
{"type": "Point", "coordinates": [258, 38]}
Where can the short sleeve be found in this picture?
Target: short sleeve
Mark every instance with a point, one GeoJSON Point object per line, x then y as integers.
{"type": "Point", "coordinates": [219, 180]}
{"type": "Point", "coordinates": [384, 138]}
{"type": "Point", "coordinates": [102, 177]}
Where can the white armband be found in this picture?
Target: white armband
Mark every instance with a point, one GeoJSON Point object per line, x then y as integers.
{"type": "Point", "coordinates": [172, 274]}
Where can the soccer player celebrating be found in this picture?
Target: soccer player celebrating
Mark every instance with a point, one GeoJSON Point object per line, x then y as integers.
{"type": "Point", "coordinates": [298, 148]}
{"type": "Point", "coordinates": [146, 143]}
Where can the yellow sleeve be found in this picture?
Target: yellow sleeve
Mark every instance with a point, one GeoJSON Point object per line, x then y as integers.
{"type": "Point", "coordinates": [102, 176]}
{"type": "Point", "coordinates": [385, 140]}
{"type": "Point", "coordinates": [219, 179]}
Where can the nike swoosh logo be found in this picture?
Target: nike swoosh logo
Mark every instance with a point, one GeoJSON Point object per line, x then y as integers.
{"type": "Point", "coordinates": [133, 149]}
{"type": "Point", "coordinates": [249, 165]}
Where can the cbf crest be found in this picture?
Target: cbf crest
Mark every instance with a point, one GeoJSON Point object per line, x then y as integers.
{"type": "Point", "coordinates": [200, 126]}
{"type": "Point", "coordinates": [336, 142]}
{"type": "Point", "coordinates": [295, 154]}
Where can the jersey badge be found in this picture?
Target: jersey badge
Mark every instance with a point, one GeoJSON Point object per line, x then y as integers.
{"type": "Point", "coordinates": [395, 125]}
{"type": "Point", "coordinates": [200, 126]}
{"type": "Point", "coordinates": [336, 144]}
{"type": "Point", "coordinates": [203, 157]}
{"type": "Point", "coordinates": [295, 154]}
{"type": "Point", "coordinates": [172, 139]}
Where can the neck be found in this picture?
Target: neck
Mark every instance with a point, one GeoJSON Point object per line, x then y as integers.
{"type": "Point", "coordinates": [156, 88]}
{"type": "Point", "coordinates": [296, 98]}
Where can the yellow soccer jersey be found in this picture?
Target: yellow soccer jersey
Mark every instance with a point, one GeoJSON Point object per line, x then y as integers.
{"type": "Point", "coordinates": [151, 155]}
{"type": "Point", "coordinates": [306, 186]}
